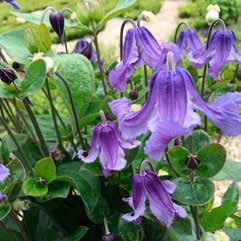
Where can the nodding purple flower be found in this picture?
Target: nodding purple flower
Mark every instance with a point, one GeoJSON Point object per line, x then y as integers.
{"type": "Point", "coordinates": [221, 51]}
{"type": "Point", "coordinates": [140, 47]}
{"type": "Point", "coordinates": [147, 185]}
{"type": "Point", "coordinates": [190, 42]}
{"type": "Point", "coordinates": [7, 75]}
{"type": "Point", "coordinates": [108, 237]}
{"type": "Point", "coordinates": [108, 144]}
{"type": "Point", "coordinates": [85, 48]}
{"type": "Point", "coordinates": [57, 22]}
{"type": "Point", "coordinates": [14, 3]}
{"type": "Point", "coordinates": [4, 173]}
{"type": "Point", "coordinates": [169, 111]}
{"type": "Point", "coordinates": [3, 197]}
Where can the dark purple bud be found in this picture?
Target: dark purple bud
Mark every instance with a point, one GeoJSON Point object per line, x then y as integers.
{"type": "Point", "coordinates": [14, 3]}
{"type": "Point", "coordinates": [193, 162]}
{"type": "Point", "coordinates": [57, 22]}
{"type": "Point", "coordinates": [7, 75]}
{"type": "Point", "coordinates": [108, 237]}
{"type": "Point", "coordinates": [134, 94]}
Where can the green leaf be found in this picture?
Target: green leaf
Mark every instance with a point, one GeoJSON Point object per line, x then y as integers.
{"type": "Point", "coordinates": [46, 169]}
{"type": "Point", "coordinates": [85, 181]}
{"type": "Point", "coordinates": [179, 157]}
{"type": "Point", "coordinates": [230, 171]}
{"type": "Point", "coordinates": [17, 170]}
{"type": "Point", "coordinates": [233, 233]}
{"type": "Point", "coordinates": [214, 220]}
{"type": "Point", "coordinates": [196, 194]}
{"type": "Point", "coordinates": [34, 78]}
{"type": "Point", "coordinates": [121, 6]}
{"type": "Point", "coordinates": [77, 235]}
{"type": "Point", "coordinates": [197, 140]}
{"type": "Point", "coordinates": [13, 44]}
{"type": "Point", "coordinates": [32, 188]}
{"type": "Point", "coordinates": [78, 72]}
{"type": "Point", "coordinates": [7, 91]}
{"type": "Point", "coordinates": [5, 209]}
{"type": "Point", "coordinates": [212, 159]}
{"type": "Point", "coordinates": [129, 231]}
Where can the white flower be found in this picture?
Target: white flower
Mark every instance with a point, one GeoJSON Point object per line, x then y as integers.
{"type": "Point", "coordinates": [221, 236]}
{"type": "Point", "coordinates": [212, 13]}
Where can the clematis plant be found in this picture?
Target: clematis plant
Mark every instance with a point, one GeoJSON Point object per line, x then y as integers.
{"type": "Point", "coordinates": [62, 156]}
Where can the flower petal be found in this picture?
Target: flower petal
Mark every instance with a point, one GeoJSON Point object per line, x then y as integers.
{"type": "Point", "coordinates": [4, 173]}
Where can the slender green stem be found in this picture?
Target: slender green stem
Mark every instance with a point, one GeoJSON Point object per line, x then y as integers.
{"type": "Point", "coordinates": [20, 226]}
{"type": "Point", "coordinates": [59, 75]}
{"type": "Point", "coordinates": [54, 116]}
{"type": "Point", "coordinates": [177, 30]}
{"type": "Point", "coordinates": [10, 116]}
{"type": "Point", "coordinates": [19, 148]}
{"type": "Point", "coordinates": [36, 127]}
{"type": "Point", "coordinates": [102, 72]}
{"type": "Point", "coordinates": [235, 75]}
{"type": "Point", "coordinates": [171, 165]}
{"type": "Point", "coordinates": [2, 56]}
{"type": "Point", "coordinates": [195, 214]}
{"type": "Point", "coordinates": [65, 43]}
{"type": "Point", "coordinates": [28, 127]}
{"type": "Point", "coordinates": [9, 233]}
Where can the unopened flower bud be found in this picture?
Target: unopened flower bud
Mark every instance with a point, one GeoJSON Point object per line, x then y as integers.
{"type": "Point", "coordinates": [57, 22]}
{"type": "Point", "coordinates": [41, 181]}
{"type": "Point", "coordinates": [57, 155]}
{"type": "Point", "coordinates": [7, 75]}
{"type": "Point", "coordinates": [85, 48]}
{"type": "Point", "coordinates": [212, 13]}
{"type": "Point", "coordinates": [134, 94]}
{"type": "Point", "coordinates": [108, 237]}
{"type": "Point", "coordinates": [192, 162]}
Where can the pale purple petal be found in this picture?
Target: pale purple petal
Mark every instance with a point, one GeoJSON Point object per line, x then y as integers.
{"type": "Point", "coordinates": [161, 204]}
{"type": "Point", "coordinates": [94, 147]}
{"type": "Point", "coordinates": [3, 197]}
{"type": "Point", "coordinates": [4, 173]}
{"type": "Point", "coordinates": [163, 133]}
{"type": "Point", "coordinates": [137, 200]}
{"type": "Point", "coordinates": [14, 3]}
{"type": "Point", "coordinates": [169, 186]}
{"type": "Point", "coordinates": [180, 211]}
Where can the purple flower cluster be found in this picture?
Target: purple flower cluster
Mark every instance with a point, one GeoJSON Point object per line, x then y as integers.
{"type": "Point", "coordinates": [171, 110]}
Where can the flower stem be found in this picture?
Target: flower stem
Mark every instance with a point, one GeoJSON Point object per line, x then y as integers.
{"type": "Point", "coordinates": [171, 165]}
{"type": "Point", "coordinates": [19, 148]}
{"type": "Point", "coordinates": [102, 72]}
{"type": "Point", "coordinates": [194, 211]}
{"type": "Point", "coordinates": [60, 143]}
{"type": "Point", "coordinates": [9, 233]}
{"type": "Point", "coordinates": [36, 127]}
{"type": "Point", "coordinates": [65, 43]}
{"type": "Point", "coordinates": [177, 30]}
{"type": "Point", "coordinates": [72, 107]}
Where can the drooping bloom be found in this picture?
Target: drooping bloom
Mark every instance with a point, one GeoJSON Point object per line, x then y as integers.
{"type": "Point", "coordinates": [7, 75]}
{"type": "Point", "coordinates": [140, 47]}
{"type": "Point", "coordinates": [221, 51]}
{"type": "Point", "coordinates": [57, 22]}
{"type": "Point", "coordinates": [147, 185]}
{"type": "Point", "coordinates": [85, 48]}
{"type": "Point", "coordinates": [190, 42]}
{"type": "Point", "coordinates": [109, 146]}
{"type": "Point", "coordinates": [4, 173]}
{"type": "Point", "coordinates": [14, 3]}
{"type": "Point", "coordinates": [169, 111]}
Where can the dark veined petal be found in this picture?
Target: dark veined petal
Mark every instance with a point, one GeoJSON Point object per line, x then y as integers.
{"type": "Point", "coordinates": [4, 173]}
{"type": "Point", "coordinates": [161, 204]}
{"type": "Point", "coordinates": [57, 23]}
{"type": "Point", "coordinates": [133, 124]}
{"type": "Point", "coordinates": [224, 112]}
{"type": "Point", "coordinates": [94, 147]}
{"type": "Point", "coordinates": [150, 49]}
{"type": "Point", "coordinates": [121, 75]}
{"type": "Point", "coordinates": [136, 200]}
{"type": "Point", "coordinates": [111, 153]}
